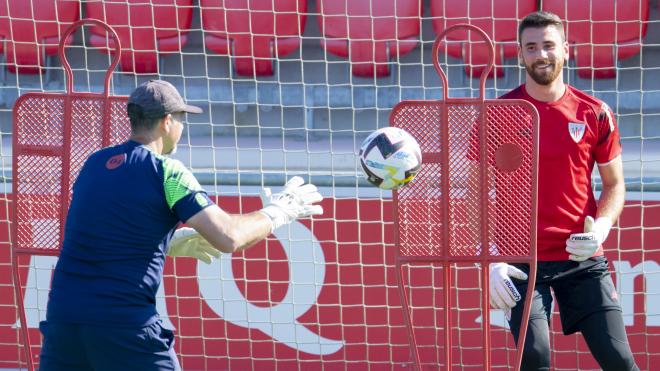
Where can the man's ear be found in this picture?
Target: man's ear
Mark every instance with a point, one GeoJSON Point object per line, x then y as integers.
{"type": "Point", "coordinates": [165, 123]}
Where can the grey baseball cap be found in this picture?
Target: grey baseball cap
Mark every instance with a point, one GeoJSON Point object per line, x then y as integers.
{"type": "Point", "coordinates": [157, 98]}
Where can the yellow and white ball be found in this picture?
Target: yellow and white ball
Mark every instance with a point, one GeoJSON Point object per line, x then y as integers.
{"type": "Point", "coordinates": [390, 158]}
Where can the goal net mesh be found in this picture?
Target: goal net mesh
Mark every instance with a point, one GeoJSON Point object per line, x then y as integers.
{"type": "Point", "coordinates": [290, 88]}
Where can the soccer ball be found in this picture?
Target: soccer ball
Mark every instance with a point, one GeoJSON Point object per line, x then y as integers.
{"type": "Point", "coordinates": [390, 158]}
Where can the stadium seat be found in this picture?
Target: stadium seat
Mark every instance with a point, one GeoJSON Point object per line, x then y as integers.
{"type": "Point", "coordinates": [144, 27]}
{"type": "Point", "coordinates": [253, 32]}
{"type": "Point", "coordinates": [600, 33]}
{"type": "Point", "coordinates": [30, 30]}
{"type": "Point", "coordinates": [499, 22]}
{"type": "Point", "coordinates": [370, 32]}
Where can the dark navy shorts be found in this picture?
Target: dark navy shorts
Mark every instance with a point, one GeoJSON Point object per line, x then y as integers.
{"type": "Point", "coordinates": [73, 347]}
{"type": "Point", "coordinates": [581, 288]}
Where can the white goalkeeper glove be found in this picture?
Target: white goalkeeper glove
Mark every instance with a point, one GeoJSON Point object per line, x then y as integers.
{"type": "Point", "coordinates": [295, 201]}
{"type": "Point", "coordinates": [187, 242]}
{"type": "Point", "coordinates": [582, 246]}
{"type": "Point", "coordinates": [503, 293]}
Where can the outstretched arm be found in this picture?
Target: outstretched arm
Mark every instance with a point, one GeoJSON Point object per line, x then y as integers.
{"type": "Point", "coordinates": [231, 233]}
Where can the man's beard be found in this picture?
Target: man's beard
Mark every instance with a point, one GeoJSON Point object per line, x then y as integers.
{"type": "Point", "coordinates": [545, 77]}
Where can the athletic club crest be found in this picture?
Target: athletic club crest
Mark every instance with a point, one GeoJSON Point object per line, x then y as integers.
{"type": "Point", "coordinates": [576, 129]}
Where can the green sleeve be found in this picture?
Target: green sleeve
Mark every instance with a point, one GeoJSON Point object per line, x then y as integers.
{"type": "Point", "coordinates": [179, 182]}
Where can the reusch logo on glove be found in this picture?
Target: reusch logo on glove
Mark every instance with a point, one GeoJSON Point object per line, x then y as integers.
{"type": "Point", "coordinates": [514, 293]}
{"type": "Point", "coordinates": [583, 238]}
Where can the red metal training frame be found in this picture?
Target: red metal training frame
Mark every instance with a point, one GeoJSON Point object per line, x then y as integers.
{"type": "Point", "coordinates": [506, 134]}
{"type": "Point", "coordinates": [53, 133]}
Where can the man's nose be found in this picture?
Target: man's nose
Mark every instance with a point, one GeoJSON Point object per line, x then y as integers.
{"type": "Point", "coordinates": [542, 54]}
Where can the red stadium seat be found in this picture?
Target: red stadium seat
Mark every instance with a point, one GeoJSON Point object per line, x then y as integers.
{"type": "Point", "coordinates": [602, 32]}
{"type": "Point", "coordinates": [144, 27]}
{"type": "Point", "coordinates": [253, 32]}
{"type": "Point", "coordinates": [31, 29]}
{"type": "Point", "coordinates": [370, 32]}
{"type": "Point", "coordinates": [500, 22]}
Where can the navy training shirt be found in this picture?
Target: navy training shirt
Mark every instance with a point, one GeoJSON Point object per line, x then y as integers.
{"type": "Point", "coordinates": [127, 202]}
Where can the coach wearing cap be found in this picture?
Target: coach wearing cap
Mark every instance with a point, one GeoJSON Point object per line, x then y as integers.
{"type": "Point", "coordinates": [127, 203]}
{"type": "Point", "coordinates": [155, 102]}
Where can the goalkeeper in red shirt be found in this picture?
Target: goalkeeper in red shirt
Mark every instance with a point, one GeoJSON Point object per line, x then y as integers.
{"type": "Point", "coordinates": [577, 131]}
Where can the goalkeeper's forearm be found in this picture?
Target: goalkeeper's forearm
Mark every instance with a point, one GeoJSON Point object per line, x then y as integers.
{"type": "Point", "coordinates": [230, 233]}
{"type": "Point", "coordinates": [612, 196]}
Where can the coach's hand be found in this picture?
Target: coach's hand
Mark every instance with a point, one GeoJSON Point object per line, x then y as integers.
{"type": "Point", "coordinates": [503, 293]}
{"type": "Point", "coordinates": [187, 242]}
{"type": "Point", "coordinates": [582, 246]}
{"type": "Point", "coordinates": [295, 201]}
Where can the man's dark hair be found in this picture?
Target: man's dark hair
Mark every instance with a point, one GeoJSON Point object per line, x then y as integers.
{"type": "Point", "coordinates": [138, 121]}
{"type": "Point", "coordinates": [541, 19]}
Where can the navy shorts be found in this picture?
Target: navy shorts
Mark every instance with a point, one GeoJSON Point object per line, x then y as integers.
{"type": "Point", "coordinates": [581, 288]}
{"type": "Point", "coordinates": [75, 347]}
